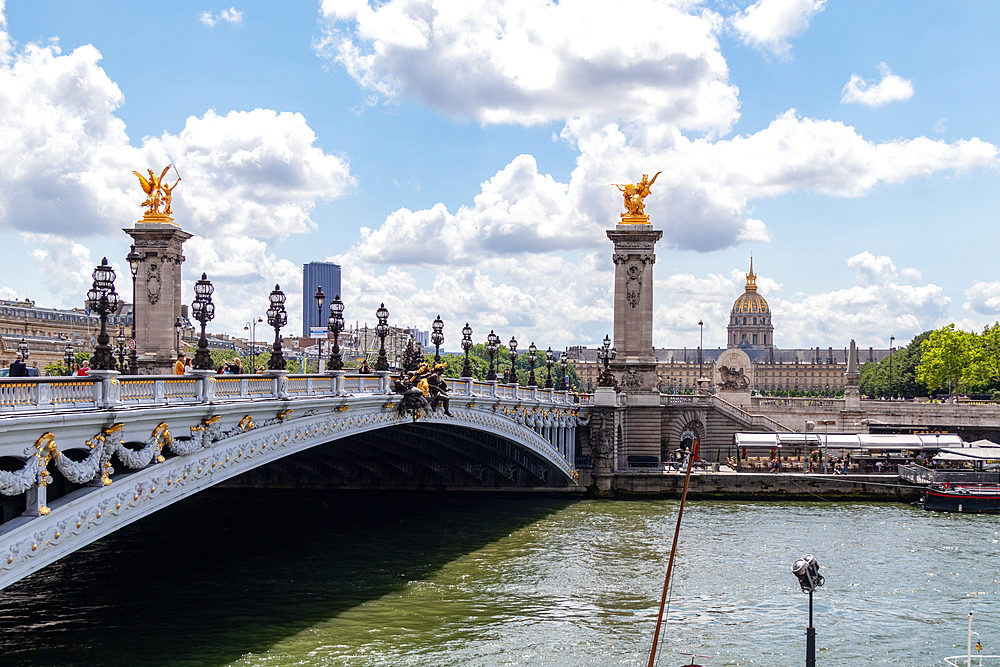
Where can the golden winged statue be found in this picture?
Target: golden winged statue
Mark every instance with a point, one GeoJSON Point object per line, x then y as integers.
{"type": "Point", "coordinates": [158, 192]}
{"type": "Point", "coordinates": [634, 193]}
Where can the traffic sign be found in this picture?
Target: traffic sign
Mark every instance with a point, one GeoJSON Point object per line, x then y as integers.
{"type": "Point", "coordinates": [131, 344]}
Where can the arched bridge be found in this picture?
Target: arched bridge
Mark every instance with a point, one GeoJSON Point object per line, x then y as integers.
{"type": "Point", "coordinates": [82, 457]}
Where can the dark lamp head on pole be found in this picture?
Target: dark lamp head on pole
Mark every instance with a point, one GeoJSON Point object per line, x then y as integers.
{"type": "Point", "coordinates": [806, 570]}
{"type": "Point", "coordinates": [134, 259]}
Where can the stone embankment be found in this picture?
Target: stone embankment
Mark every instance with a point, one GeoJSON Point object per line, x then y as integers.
{"type": "Point", "coordinates": [754, 486]}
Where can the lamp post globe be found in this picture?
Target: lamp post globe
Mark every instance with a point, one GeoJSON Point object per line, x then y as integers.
{"type": "Point", "coordinates": [22, 349]}
{"type": "Point", "coordinates": [382, 330]}
{"type": "Point", "coordinates": [437, 337]}
{"type": "Point", "coordinates": [102, 299]}
{"type": "Point", "coordinates": [277, 317]}
{"type": "Point", "coordinates": [548, 365]}
{"type": "Point", "coordinates": [335, 324]}
{"type": "Point", "coordinates": [512, 353]}
{"type": "Point", "coordinates": [466, 346]}
{"type": "Point", "coordinates": [203, 311]}
{"type": "Point", "coordinates": [532, 360]}
{"type": "Point", "coordinates": [492, 346]}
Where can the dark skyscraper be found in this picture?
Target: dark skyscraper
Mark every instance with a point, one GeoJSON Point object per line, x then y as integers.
{"type": "Point", "coordinates": [327, 276]}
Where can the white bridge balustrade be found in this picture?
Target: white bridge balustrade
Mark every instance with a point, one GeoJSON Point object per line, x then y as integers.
{"type": "Point", "coordinates": [126, 446]}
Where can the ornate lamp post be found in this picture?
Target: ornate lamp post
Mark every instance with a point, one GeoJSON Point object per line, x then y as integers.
{"type": "Point", "coordinates": [335, 324]}
{"type": "Point", "coordinates": [277, 318]}
{"type": "Point", "coordinates": [548, 365]}
{"type": "Point", "coordinates": [251, 326]}
{"type": "Point", "coordinates": [382, 330]}
{"type": "Point", "coordinates": [134, 260]}
{"type": "Point", "coordinates": [103, 299]}
{"type": "Point", "coordinates": [605, 354]}
{"type": "Point", "coordinates": [512, 353]}
{"type": "Point", "coordinates": [177, 334]}
{"type": "Point", "coordinates": [466, 346]}
{"type": "Point", "coordinates": [69, 357]}
{"type": "Point", "coordinates": [22, 349]}
{"type": "Point", "coordinates": [320, 302]}
{"type": "Point", "coordinates": [532, 360]}
{"type": "Point", "coordinates": [120, 340]}
{"type": "Point", "coordinates": [437, 337]}
{"type": "Point", "coordinates": [564, 364]}
{"type": "Point", "coordinates": [203, 310]}
{"type": "Point", "coordinates": [492, 345]}
{"type": "Point", "coordinates": [806, 570]}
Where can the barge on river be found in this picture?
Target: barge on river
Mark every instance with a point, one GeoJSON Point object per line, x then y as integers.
{"type": "Point", "coordinates": [966, 498]}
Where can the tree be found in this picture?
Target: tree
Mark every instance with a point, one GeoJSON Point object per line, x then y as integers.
{"type": "Point", "coordinates": [984, 372]}
{"type": "Point", "coordinates": [874, 380]}
{"type": "Point", "coordinates": [948, 355]}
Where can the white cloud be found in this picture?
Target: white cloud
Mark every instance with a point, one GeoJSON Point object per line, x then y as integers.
{"type": "Point", "coordinates": [255, 173]}
{"type": "Point", "coordinates": [232, 15]}
{"type": "Point", "coordinates": [875, 306]}
{"type": "Point", "coordinates": [75, 264]}
{"type": "Point", "coordinates": [768, 24]}
{"type": "Point", "coordinates": [249, 178]}
{"type": "Point", "coordinates": [941, 125]}
{"type": "Point", "coordinates": [891, 88]}
{"type": "Point", "coordinates": [8, 294]}
{"type": "Point", "coordinates": [532, 61]}
{"type": "Point", "coordinates": [5, 46]}
{"type": "Point", "coordinates": [983, 298]}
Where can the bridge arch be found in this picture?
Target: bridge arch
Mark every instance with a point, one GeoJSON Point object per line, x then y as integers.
{"type": "Point", "coordinates": [497, 445]}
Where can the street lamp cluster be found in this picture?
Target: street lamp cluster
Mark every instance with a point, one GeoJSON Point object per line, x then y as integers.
{"type": "Point", "coordinates": [104, 300]}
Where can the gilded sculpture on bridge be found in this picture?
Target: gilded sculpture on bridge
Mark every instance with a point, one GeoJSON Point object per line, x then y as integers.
{"type": "Point", "coordinates": [634, 194]}
{"type": "Point", "coordinates": [158, 192]}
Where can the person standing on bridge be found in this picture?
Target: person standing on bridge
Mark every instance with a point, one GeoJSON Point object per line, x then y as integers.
{"type": "Point", "coordinates": [179, 364]}
{"type": "Point", "coordinates": [17, 368]}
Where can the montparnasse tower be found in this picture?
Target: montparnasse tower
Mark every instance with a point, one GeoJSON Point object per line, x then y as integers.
{"type": "Point", "coordinates": [750, 320]}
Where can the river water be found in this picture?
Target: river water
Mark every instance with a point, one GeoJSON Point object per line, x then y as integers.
{"type": "Point", "coordinates": [266, 578]}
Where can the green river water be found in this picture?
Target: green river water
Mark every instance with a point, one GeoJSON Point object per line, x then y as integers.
{"type": "Point", "coordinates": [274, 579]}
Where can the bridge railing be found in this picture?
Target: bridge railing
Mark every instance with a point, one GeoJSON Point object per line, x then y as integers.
{"type": "Point", "coordinates": [917, 474]}
{"type": "Point", "coordinates": [106, 390]}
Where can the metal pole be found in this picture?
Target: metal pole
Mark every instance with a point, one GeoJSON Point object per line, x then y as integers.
{"type": "Point", "coordinates": [810, 637]}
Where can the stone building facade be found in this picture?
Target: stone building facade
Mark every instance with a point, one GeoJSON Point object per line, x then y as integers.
{"type": "Point", "coordinates": [750, 348]}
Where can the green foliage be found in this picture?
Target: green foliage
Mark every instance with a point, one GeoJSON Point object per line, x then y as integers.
{"type": "Point", "coordinates": [960, 361]}
{"type": "Point", "coordinates": [875, 376]}
{"type": "Point", "coordinates": [948, 357]}
{"type": "Point", "coordinates": [480, 362]}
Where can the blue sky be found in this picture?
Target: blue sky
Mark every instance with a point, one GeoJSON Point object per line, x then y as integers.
{"type": "Point", "coordinates": [452, 156]}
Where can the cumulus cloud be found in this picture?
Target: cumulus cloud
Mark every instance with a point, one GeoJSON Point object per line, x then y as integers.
{"type": "Point", "coordinates": [983, 298]}
{"type": "Point", "coordinates": [249, 178]}
{"type": "Point", "coordinates": [768, 24]}
{"type": "Point", "coordinates": [231, 15]}
{"type": "Point", "coordinates": [891, 88]}
{"type": "Point", "coordinates": [531, 61]}
{"type": "Point", "coordinates": [875, 304]}
{"type": "Point", "coordinates": [5, 45]}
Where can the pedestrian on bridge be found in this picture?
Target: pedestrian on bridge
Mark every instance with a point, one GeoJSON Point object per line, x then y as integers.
{"type": "Point", "coordinates": [179, 364]}
{"type": "Point", "coordinates": [17, 368]}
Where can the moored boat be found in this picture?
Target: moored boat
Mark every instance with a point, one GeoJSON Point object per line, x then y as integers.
{"type": "Point", "coordinates": [965, 498]}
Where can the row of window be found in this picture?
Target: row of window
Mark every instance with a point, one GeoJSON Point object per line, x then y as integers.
{"type": "Point", "coordinates": [763, 320]}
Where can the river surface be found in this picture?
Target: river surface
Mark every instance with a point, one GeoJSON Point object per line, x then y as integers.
{"type": "Point", "coordinates": [250, 578]}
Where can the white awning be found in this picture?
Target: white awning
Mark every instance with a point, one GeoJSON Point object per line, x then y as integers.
{"type": "Point", "coordinates": [969, 454]}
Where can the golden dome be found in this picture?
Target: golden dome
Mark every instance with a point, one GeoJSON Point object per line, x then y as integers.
{"type": "Point", "coordinates": [750, 303]}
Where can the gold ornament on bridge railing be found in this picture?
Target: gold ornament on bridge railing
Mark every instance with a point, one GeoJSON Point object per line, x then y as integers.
{"type": "Point", "coordinates": [634, 194]}
{"type": "Point", "coordinates": [158, 194]}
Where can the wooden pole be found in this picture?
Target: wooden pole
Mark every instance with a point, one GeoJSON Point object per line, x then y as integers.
{"type": "Point", "coordinates": [673, 550]}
